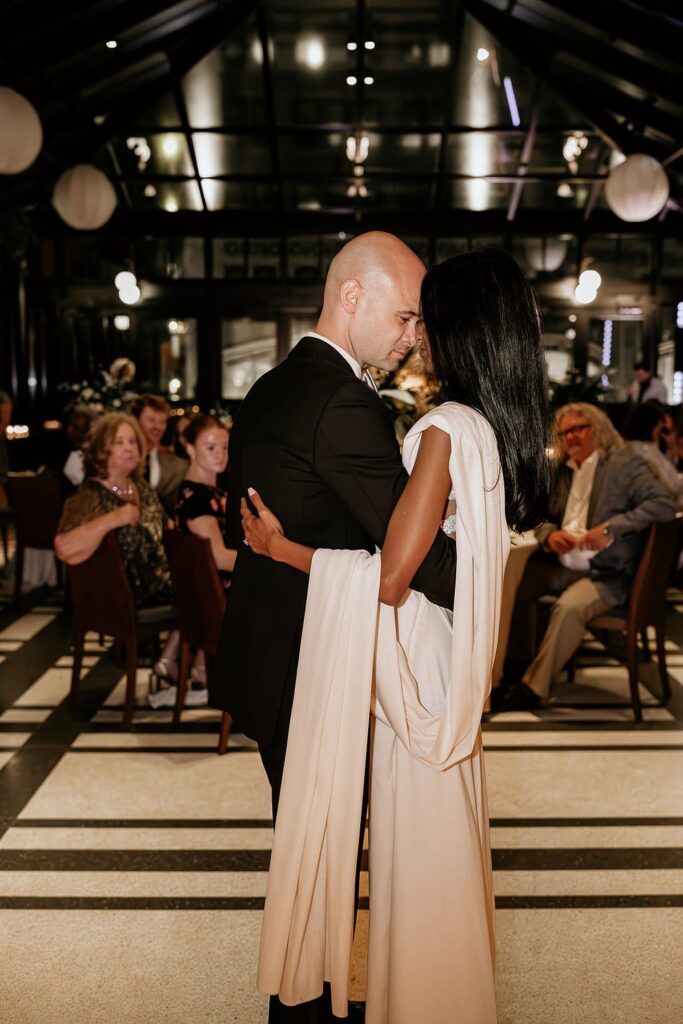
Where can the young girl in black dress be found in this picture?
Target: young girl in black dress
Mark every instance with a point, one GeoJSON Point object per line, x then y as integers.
{"type": "Point", "coordinates": [200, 509]}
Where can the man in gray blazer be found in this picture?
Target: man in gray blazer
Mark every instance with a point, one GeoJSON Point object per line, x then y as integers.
{"type": "Point", "coordinates": [603, 502]}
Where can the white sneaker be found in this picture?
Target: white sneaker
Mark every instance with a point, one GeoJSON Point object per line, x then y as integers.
{"type": "Point", "coordinates": [197, 698]}
{"type": "Point", "coordinates": [164, 698]}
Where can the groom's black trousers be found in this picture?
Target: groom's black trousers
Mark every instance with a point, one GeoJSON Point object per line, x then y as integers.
{"type": "Point", "coordinates": [318, 1011]}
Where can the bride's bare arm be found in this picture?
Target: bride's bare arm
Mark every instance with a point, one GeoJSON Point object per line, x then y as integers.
{"type": "Point", "coordinates": [413, 526]}
{"type": "Point", "coordinates": [417, 517]}
{"type": "Point", "coordinates": [265, 536]}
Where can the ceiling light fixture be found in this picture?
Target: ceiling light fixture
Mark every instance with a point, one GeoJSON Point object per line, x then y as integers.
{"type": "Point", "coordinates": [111, 44]}
{"type": "Point", "coordinates": [369, 44]}
{"type": "Point", "coordinates": [170, 146]}
{"type": "Point", "coordinates": [369, 80]}
{"type": "Point", "coordinates": [310, 51]}
{"type": "Point", "coordinates": [483, 54]}
{"type": "Point", "coordinates": [352, 45]}
{"type": "Point", "coordinates": [512, 102]}
{"type": "Point", "coordinates": [351, 79]}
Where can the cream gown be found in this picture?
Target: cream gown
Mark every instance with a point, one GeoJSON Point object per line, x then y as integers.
{"type": "Point", "coordinates": [425, 676]}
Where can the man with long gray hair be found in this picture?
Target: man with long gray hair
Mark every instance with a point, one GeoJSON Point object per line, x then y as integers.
{"type": "Point", "coordinates": [604, 499]}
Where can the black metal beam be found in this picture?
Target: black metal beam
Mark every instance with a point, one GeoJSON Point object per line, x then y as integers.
{"type": "Point", "coordinates": [521, 43]}
{"type": "Point", "coordinates": [524, 158]}
{"type": "Point", "coordinates": [600, 55]}
{"type": "Point", "coordinates": [454, 20]}
{"type": "Point", "coordinates": [620, 20]}
{"type": "Point", "coordinates": [260, 223]}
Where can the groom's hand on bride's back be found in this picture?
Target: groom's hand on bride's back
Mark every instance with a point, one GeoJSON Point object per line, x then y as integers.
{"type": "Point", "coordinates": [259, 529]}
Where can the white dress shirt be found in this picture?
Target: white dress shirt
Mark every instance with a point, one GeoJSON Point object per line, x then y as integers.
{"type": "Point", "coordinates": [154, 468]}
{"type": "Point", "coordinates": [575, 519]}
{"type": "Point", "coordinates": [353, 363]}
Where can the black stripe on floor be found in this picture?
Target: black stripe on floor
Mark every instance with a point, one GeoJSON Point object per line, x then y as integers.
{"type": "Point", "coordinates": [257, 902]}
{"type": "Point", "coordinates": [527, 859]}
{"type": "Point", "coordinates": [228, 823]}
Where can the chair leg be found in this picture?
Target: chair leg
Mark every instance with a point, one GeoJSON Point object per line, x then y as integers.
{"type": "Point", "coordinates": [663, 674]}
{"type": "Point", "coordinates": [76, 670]}
{"type": "Point", "coordinates": [647, 654]}
{"type": "Point", "coordinates": [18, 574]}
{"type": "Point", "coordinates": [183, 675]}
{"type": "Point", "coordinates": [131, 680]}
{"type": "Point", "coordinates": [226, 726]}
{"type": "Point", "coordinates": [632, 660]}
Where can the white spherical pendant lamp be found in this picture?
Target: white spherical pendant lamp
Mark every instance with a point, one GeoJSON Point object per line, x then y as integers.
{"type": "Point", "coordinates": [637, 189]}
{"type": "Point", "coordinates": [84, 197]}
{"type": "Point", "coordinates": [545, 254]}
{"type": "Point", "coordinates": [21, 133]}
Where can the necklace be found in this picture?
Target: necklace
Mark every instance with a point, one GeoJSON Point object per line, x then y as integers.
{"type": "Point", "coordinates": [123, 492]}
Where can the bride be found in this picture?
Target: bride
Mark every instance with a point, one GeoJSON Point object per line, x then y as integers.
{"type": "Point", "coordinates": [371, 647]}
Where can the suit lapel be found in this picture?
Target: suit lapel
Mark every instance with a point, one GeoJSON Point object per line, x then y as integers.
{"type": "Point", "coordinates": [595, 490]}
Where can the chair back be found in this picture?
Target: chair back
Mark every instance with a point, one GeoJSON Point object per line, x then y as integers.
{"type": "Point", "coordinates": [647, 606]}
{"type": "Point", "coordinates": [37, 503]}
{"type": "Point", "coordinates": [198, 589]}
{"type": "Point", "coordinates": [102, 597]}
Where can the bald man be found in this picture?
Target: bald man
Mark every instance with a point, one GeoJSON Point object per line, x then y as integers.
{"type": "Point", "coordinates": [318, 444]}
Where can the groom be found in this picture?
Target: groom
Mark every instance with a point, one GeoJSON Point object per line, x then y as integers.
{"type": "Point", "coordinates": [318, 444]}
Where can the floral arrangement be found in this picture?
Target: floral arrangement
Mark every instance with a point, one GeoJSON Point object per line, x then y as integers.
{"type": "Point", "coordinates": [108, 392]}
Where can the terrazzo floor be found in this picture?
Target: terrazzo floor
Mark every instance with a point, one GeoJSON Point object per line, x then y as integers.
{"type": "Point", "coordinates": [133, 865]}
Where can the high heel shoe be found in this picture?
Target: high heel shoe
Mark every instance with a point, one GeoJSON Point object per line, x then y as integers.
{"type": "Point", "coordinates": [166, 669]}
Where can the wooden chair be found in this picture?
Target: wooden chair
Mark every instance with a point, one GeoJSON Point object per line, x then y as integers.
{"type": "Point", "coordinates": [646, 607]}
{"type": "Point", "coordinates": [37, 508]}
{"type": "Point", "coordinates": [103, 603]}
{"type": "Point", "coordinates": [201, 603]}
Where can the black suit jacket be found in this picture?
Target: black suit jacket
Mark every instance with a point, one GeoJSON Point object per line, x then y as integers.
{"type": "Point", "coordinates": [320, 448]}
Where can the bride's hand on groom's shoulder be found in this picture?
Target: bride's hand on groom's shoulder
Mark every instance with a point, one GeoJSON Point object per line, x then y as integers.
{"type": "Point", "coordinates": [261, 529]}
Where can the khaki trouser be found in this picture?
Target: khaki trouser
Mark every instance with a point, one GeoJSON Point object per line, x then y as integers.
{"type": "Point", "coordinates": [577, 605]}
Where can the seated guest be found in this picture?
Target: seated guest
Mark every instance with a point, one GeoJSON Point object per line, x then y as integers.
{"type": "Point", "coordinates": [163, 470]}
{"type": "Point", "coordinates": [667, 434]}
{"type": "Point", "coordinates": [643, 430]}
{"type": "Point", "coordinates": [646, 386]}
{"type": "Point", "coordinates": [114, 496]}
{"type": "Point", "coordinates": [77, 428]}
{"type": "Point", "coordinates": [179, 444]}
{"type": "Point", "coordinates": [201, 510]}
{"type": "Point", "coordinates": [603, 501]}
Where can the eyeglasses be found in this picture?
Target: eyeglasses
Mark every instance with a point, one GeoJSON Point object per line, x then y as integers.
{"type": "Point", "coordinates": [578, 429]}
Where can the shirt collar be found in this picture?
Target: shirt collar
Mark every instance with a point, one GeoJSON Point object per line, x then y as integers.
{"type": "Point", "coordinates": [592, 458]}
{"type": "Point", "coordinates": [353, 363]}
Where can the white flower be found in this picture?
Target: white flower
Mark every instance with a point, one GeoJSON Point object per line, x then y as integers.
{"type": "Point", "coordinates": [87, 393]}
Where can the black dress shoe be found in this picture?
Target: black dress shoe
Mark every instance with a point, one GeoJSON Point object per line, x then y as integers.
{"type": "Point", "coordinates": [516, 697]}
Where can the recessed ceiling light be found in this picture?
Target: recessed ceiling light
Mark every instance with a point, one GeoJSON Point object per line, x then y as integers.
{"type": "Point", "coordinates": [111, 44]}
{"type": "Point", "coordinates": [351, 79]}
{"type": "Point", "coordinates": [483, 54]}
{"type": "Point", "coordinates": [369, 80]}
{"type": "Point", "coordinates": [352, 45]}
{"type": "Point", "coordinates": [369, 44]}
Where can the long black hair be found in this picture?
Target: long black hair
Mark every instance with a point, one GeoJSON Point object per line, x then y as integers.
{"type": "Point", "coordinates": [484, 331]}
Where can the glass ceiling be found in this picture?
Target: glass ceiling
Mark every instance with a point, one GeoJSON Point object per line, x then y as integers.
{"type": "Point", "coordinates": [407, 111]}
